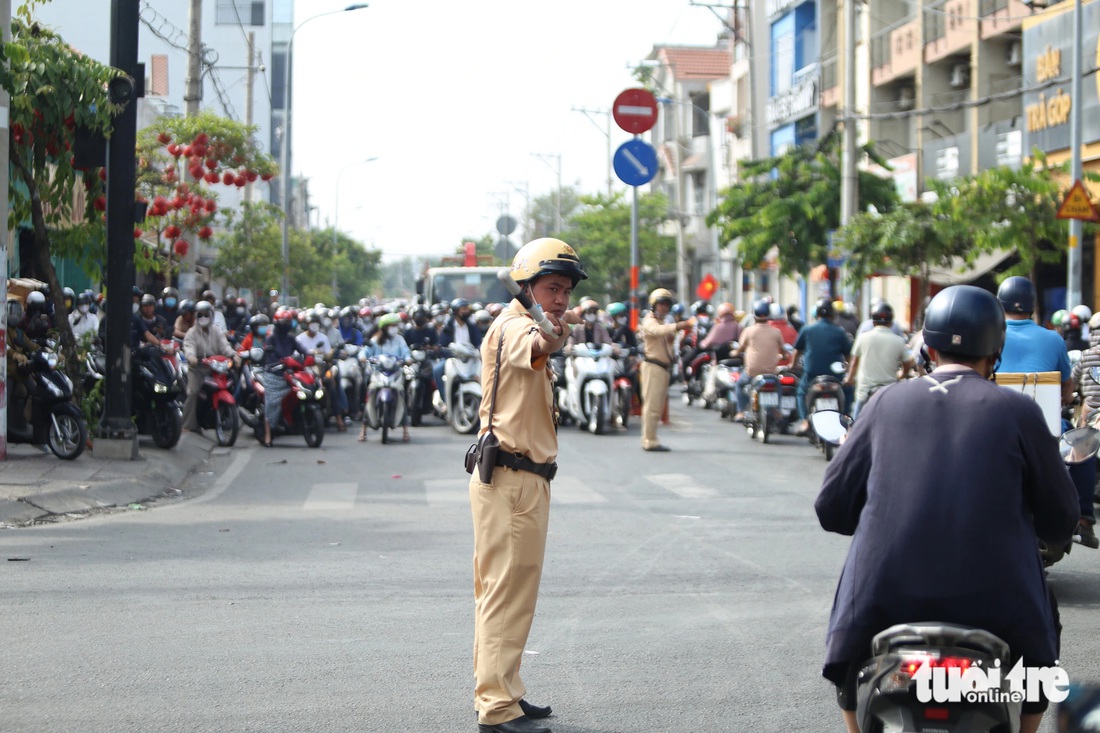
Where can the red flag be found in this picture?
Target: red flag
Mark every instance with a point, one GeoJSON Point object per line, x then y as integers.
{"type": "Point", "coordinates": [708, 286]}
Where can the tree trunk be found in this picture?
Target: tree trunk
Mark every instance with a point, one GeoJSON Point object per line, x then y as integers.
{"type": "Point", "coordinates": [44, 266]}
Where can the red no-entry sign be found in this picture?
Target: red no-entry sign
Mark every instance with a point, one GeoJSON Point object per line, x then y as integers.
{"type": "Point", "coordinates": [635, 110]}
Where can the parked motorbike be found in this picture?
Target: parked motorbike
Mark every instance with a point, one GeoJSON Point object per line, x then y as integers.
{"type": "Point", "coordinates": [696, 373]}
{"type": "Point", "coordinates": [55, 421]}
{"type": "Point", "coordinates": [300, 411]}
{"type": "Point", "coordinates": [773, 403]}
{"type": "Point", "coordinates": [589, 384]}
{"type": "Point", "coordinates": [217, 407]}
{"type": "Point", "coordinates": [385, 404]}
{"type": "Point", "coordinates": [458, 400]}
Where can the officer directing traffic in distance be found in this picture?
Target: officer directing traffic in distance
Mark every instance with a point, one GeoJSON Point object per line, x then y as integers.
{"type": "Point", "coordinates": [511, 506]}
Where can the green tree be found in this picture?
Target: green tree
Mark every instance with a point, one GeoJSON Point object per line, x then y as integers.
{"type": "Point", "coordinates": [54, 89]}
{"type": "Point", "coordinates": [250, 249]}
{"type": "Point", "coordinates": [600, 232]}
{"type": "Point", "coordinates": [792, 202]}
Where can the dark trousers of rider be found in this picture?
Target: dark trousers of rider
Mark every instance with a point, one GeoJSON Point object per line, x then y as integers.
{"type": "Point", "coordinates": [195, 377]}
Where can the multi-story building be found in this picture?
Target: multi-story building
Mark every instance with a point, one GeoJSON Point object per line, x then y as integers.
{"type": "Point", "coordinates": [685, 136]}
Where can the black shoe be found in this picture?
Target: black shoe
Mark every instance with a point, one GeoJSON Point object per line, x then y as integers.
{"type": "Point", "coordinates": [657, 449]}
{"type": "Point", "coordinates": [1087, 535]}
{"type": "Point", "coordinates": [522, 724]}
{"type": "Point", "coordinates": [534, 712]}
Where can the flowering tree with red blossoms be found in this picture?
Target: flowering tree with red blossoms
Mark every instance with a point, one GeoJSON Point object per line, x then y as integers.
{"type": "Point", "coordinates": [181, 162]}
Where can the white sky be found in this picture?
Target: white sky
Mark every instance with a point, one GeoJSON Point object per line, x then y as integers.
{"type": "Point", "coordinates": [452, 97]}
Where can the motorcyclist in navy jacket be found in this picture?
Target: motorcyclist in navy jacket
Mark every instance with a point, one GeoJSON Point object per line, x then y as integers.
{"type": "Point", "coordinates": [946, 518]}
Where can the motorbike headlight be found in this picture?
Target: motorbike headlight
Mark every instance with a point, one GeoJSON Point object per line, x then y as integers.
{"type": "Point", "coordinates": [302, 394]}
{"type": "Point", "coordinates": [320, 393]}
{"type": "Point", "coordinates": [51, 361]}
{"type": "Point", "coordinates": [160, 388]}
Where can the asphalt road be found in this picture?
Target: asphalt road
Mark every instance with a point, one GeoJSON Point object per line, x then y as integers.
{"type": "Point", "coordinates": [330, 590]}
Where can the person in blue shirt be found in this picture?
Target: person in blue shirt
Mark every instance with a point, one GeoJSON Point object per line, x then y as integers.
{"type": "Point", "coordinates": [1031, 348]}
{"type": "Point", "coordinates": [821, 345]}
{"type": "Point", "coordinates": [388, 340]}
{"type": "Point", "coordinates": [349, 328]}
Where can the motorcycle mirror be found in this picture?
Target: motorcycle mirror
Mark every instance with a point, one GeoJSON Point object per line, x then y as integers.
{"type": "Point", "coordinates": [1094, 372]}
{"type": "Point", "coordinates": [837, 367]}
{"type": "Point", "coordinates": [256, 354]}
{"type": "Point", "coordinates": [830, 425]}
{"type": "Point", "coordinates": [1079, 445]}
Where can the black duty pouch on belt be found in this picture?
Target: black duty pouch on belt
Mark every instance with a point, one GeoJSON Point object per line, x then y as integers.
{"type": "Point", "coordinates": [483, 456]}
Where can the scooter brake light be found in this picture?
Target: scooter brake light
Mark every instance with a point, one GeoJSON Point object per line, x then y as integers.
{"type": "Point", "coordinates": [937, 713]}
{"type": "Point", "coordinates": [787, 380]}
{"type": "Point", "coordinates": [767, 387]}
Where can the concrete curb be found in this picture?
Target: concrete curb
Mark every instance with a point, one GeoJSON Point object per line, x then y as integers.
{"type": "Point", "coordinates": [150, 476]}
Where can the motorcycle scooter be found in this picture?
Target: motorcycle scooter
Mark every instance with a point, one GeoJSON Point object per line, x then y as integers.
{"type": "Point", "coordinates": [772, 401]}
{"type": "Point", "coordinates": [300, 410]}
{"type": "Point", "coordinates": [589, 383]}
{"type": "Point", "coordinates": [886, 698]}
{"type": "Point", "coordinates": [458, 400]}
{"type": "Point", "coordinates": [250, 399]}
{"type": "Point", "coordinates": [55, 420]}
{"type": "Point", "coordinates": [385, 404]}
{"type": "Point", "coordinates": [217, 407]}
{"type": "Point", "coordinates": [826, 392]}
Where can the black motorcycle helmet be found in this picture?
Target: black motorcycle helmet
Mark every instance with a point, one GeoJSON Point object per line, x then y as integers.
{"type": "Point", "coordinates": [965, 320]}
{"type": "Point", "coordinates": [1017, 295]}
{"type": "Point", "coordinates": [420, 315]}
{"type": "Point", "coordinates": [187, 306]}
{"type": "Point", "coordinates": [459, 303]}
{"type": "Point", "coordinates": [169, 296]}
{"type": "Point", "coordinates": [824, 309]}
{"type": "Point", "coordinates": [256, 321]}
{"type": "Point", "coordinates": [882, 314]}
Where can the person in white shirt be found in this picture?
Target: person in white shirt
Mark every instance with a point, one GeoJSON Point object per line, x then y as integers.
{"type": "Point", "coordinates": [82, 319]}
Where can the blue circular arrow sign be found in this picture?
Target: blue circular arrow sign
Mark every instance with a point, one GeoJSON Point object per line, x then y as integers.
{"type": "Point", "coordinates": [635, 162]}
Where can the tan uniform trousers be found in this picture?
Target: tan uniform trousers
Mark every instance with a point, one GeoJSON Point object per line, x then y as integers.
{"type": "Point", "coordinates": [654, 383]}
{"type": "Point", "coordinates": [511, 516]}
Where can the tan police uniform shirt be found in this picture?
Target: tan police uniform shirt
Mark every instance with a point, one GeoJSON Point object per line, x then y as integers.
{"type": "Point", "coordinates": [524, 417]}
{"type": "Point", "coordinates": [658, 339]}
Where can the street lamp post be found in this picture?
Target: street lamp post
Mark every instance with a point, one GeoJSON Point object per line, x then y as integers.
{"type": "Point", "coordinates": [284, 147]}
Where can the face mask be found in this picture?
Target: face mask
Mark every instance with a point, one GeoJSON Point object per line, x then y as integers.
{"type": "Point", "coordinates": [391, 331]}
{"type": "Point", "coordinates": [82, 308]}
{"type": "Point", "coordinates": [590, 317]}
{"type": "Point", "coordinates": [135, 305]}
{"type": "Point", "coordinates": [203, 321]}
{"type": "Point", "coordinates": [170, 302]}
{"type": "Point", "coordinates": [294, 323]}
{"type": "Point", "coordinates": [314, 327]}
{"type": "Point", "coordinates": [261, 331]}
{"type": "Point", "coordinates": [439, 319]}
{"type": "Point", "coordinates": [621, 320]}
{"type": "Point", "coordinates": [327, 323]}
{"type": "Point", "coordinates": [703, 319]}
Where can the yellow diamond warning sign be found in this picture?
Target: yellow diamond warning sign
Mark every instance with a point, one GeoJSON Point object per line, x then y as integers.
{"type": "Point", "coordinates": [1077, 205]}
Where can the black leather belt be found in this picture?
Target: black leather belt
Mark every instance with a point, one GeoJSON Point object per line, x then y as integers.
{"type": "Point", "coordinates": [521, 462]}
{"type": "Point", "coordinates": [657, 363]}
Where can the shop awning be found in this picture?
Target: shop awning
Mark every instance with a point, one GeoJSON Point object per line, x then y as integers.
{"type": "Point", "coordinates": [961, 272]}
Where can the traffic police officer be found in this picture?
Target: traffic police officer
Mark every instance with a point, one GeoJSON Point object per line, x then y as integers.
{"type": "Point", "coordinates": [512, 511]}
{"type": "Point", "coordinates": [660, 352]}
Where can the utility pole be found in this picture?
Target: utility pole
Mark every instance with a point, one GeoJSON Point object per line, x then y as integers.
{"type": "Point", "coordinates": [248, 98]}
{"type": "Point", "coordinates": [194, 59]}
{"type": "Point", "coordinates": [557, 199]}
{"type": "Point", "coordinates": [607, 133]}
{"type": "Point", "coordinates": [1076, 226]}
{"type": "Point", "coordinates": [119, 438]}
{"type": "Point", "coordinates": [5, 104]}
{"type": "Point", "coordinates": [849, 181]}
